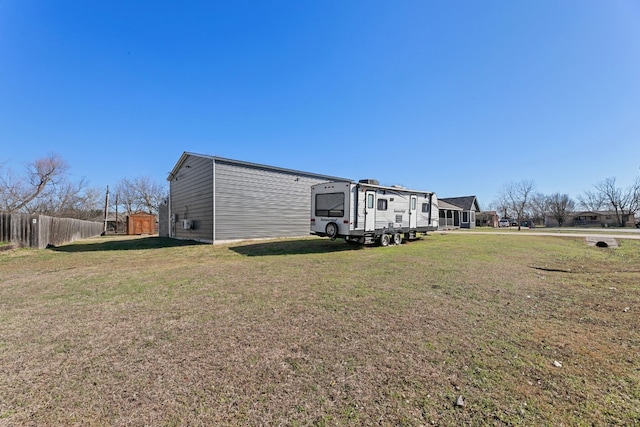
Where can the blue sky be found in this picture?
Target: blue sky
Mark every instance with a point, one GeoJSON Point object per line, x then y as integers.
{"type": "Point", "coordinates": [457, 97]}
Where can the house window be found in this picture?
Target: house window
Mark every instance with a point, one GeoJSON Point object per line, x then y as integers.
{"type": "Point", "coordinates": [382, 204]}
{"type": "Point", "coordinates": [331, 205]}
{"type": "Point", "coordinates": [465, 216]}
{"type": "Point", "coordinates": [425, 207]}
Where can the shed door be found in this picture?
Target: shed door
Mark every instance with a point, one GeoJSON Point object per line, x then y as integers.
{"type": "Point", "coordinates": [413, 212]}
{"type": "Point", "coordinates": [142, 225]}
{"type": "Point", "coordinates": [370, 211]}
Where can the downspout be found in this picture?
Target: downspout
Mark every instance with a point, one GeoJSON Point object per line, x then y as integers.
{"type": "Point", "coordinates": [213, 183]}
{"type": "Point", "coordinates": [169, 217]}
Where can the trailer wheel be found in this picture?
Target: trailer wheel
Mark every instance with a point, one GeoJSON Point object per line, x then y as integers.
{"type": "Point", "coordinates": [332, 230]}
{"type": "Point", "coordinates": [397, 239]}
{"type": "Point", "coordinates": [385, 239]}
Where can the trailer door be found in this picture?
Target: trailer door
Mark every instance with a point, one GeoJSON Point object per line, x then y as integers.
{"type": "Point", "coordinates": [370, 211]}
{"type": "Point", "coordinates": [413, 212]}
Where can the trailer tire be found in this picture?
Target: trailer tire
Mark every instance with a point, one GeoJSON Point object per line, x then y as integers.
{"type": "Point", "coordinates": [397, 239]}
{"type": "Point", "coordinates": [385, 239]}
{"type": "Point", "coordinates": [332, 230]}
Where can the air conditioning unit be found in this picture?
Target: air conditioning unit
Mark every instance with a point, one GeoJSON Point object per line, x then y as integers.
{"type": "Point", "coordinates": [187, 224]}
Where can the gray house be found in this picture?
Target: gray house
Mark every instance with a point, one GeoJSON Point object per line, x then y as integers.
{"type": "Point", "coordinates": [213, 199]}
{"type": "Point", "coordinates": [458, 212]}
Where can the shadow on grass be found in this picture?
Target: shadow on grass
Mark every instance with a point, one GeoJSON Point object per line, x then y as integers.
{"type": "Point", "coordinates": [294, 247]}
{"type": "Point", "coordinates": [126, 245]}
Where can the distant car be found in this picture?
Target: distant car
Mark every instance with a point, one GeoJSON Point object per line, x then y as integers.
{"type": "Point", "coordinates": [638, 224]}
{"type": "Point", "coordinates": [514, 223]}
{"type": "Point", "coordinates": [504, 223]}
{"type": "Point", "coordinates": [528, 224]}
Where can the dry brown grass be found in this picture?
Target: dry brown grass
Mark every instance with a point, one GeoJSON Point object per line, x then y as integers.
{"type": "Point", "coordinates": [314, 332]}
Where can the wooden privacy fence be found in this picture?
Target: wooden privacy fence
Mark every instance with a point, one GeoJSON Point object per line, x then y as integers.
{"type": "Point", "coordinates": [39, 231]}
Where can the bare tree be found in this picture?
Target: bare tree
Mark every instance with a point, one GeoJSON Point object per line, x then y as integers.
{"type": "Point", "coordinates": [623, 201]}
{"type": "Point", "coordinates": [140, 194]}
{"type": "Point", "coordinates": [517, 197]}
{"type": "Point", "coordinates": [592, 201]}
{"type": "Point", "coordinates": [501, 205]}
{"type": "Point", "coordinates": [18, 193]}
{"type": "Point", "coordinates": [150, 194]}
{"type": "Point", "coordinates": [560, 206]}
{"type": "Point", "coordinates": [126, 196]}
{"type": "Point", "coordinates": [68, 199]}
{"type": "Point", "coordinates": [538, 208]}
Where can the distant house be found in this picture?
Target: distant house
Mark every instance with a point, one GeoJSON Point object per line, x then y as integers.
{"type": "Point", "coordinates": [487, 219]}
{"type": "Point", "coordinates": [590, 219]}
{"type": "Point", "coordinates": [115, 223]}
{"type": "Point", "coordinates": [458, 212]}
{"type": "Point", "coordinates": [213, 199]}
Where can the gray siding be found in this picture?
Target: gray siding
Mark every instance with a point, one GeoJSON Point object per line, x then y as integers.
{"type": "Point", "coordinates": [163, 220]}
{"type": "Point", "coordinates": [192, 198]}
{"type": "Point", "coordinates": [254, 202]}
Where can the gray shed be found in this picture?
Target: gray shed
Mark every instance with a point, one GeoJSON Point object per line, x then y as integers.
{"type": "Point", "coordinates": [213, 199]}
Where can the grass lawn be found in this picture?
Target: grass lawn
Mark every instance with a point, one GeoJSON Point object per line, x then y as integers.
{"type": "Point", "coordinates": [150, 331]}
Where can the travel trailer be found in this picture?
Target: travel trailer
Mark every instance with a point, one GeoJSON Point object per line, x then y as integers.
{"type": "Point", "coordinates": [367, 212]}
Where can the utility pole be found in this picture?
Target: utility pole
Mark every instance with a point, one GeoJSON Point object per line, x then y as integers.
{"type": "Point", "coordinates": [106, 212]}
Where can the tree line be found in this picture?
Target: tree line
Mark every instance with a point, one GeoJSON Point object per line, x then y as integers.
{"type": "Point", "coordinates": [45, 187]}
{"type": "Point", "coordinates": [520, 201]}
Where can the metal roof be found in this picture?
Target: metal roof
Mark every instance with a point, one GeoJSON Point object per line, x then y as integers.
{"type": "Point", "coordinates": [217, 159]}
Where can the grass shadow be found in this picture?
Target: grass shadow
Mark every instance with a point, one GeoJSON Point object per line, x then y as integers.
{"type": "Point", "coordinates": [294, 247]}
{"type": "Point", "coordinates": [151, 242]}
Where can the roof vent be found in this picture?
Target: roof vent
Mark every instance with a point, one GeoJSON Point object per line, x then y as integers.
{"type": "Point", "coordinates": [369, 181]}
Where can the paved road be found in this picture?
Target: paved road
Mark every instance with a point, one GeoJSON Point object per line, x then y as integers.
{"type": "Point", "coordinates": [574, 232]}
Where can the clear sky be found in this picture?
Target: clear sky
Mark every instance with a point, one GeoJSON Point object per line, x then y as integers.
{"type": "Point", "coordinates": [456, 97]}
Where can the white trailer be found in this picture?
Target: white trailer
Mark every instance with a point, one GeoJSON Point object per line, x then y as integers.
{"type": "Point", "coordinates": [366, 212]}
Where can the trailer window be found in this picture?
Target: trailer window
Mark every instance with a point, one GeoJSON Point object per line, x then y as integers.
{"type": "Point", "coordinates": [382, 204]}
{"type": "Point", "coordinates": [413, 204]}
{"type": "Point", "coordinates": [370, 200]}
{"type": "Point", "coordinates": [425, 207]}
{"type": "Point", "coordinates": [331, 204]}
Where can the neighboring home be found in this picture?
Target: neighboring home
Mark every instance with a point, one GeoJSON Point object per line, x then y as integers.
{"type": "Point", "coordinates": [458, 212]}
{"type": "Point", "coordinates": [487, 219]}
{"type": "Point", "coordinates": [116, 223]}
{"type": "Point", "coordinates": [590, 219]}
{"type": "Point", "coordinates": [449, 216]}
{"type": "Point", "coordinates": [213, 199]}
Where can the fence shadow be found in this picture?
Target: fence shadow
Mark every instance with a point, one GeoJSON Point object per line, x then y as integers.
{"type": "Point", "coordinates": [294, 247]}
{"type": "Point", "coordinates": [151, 242]}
